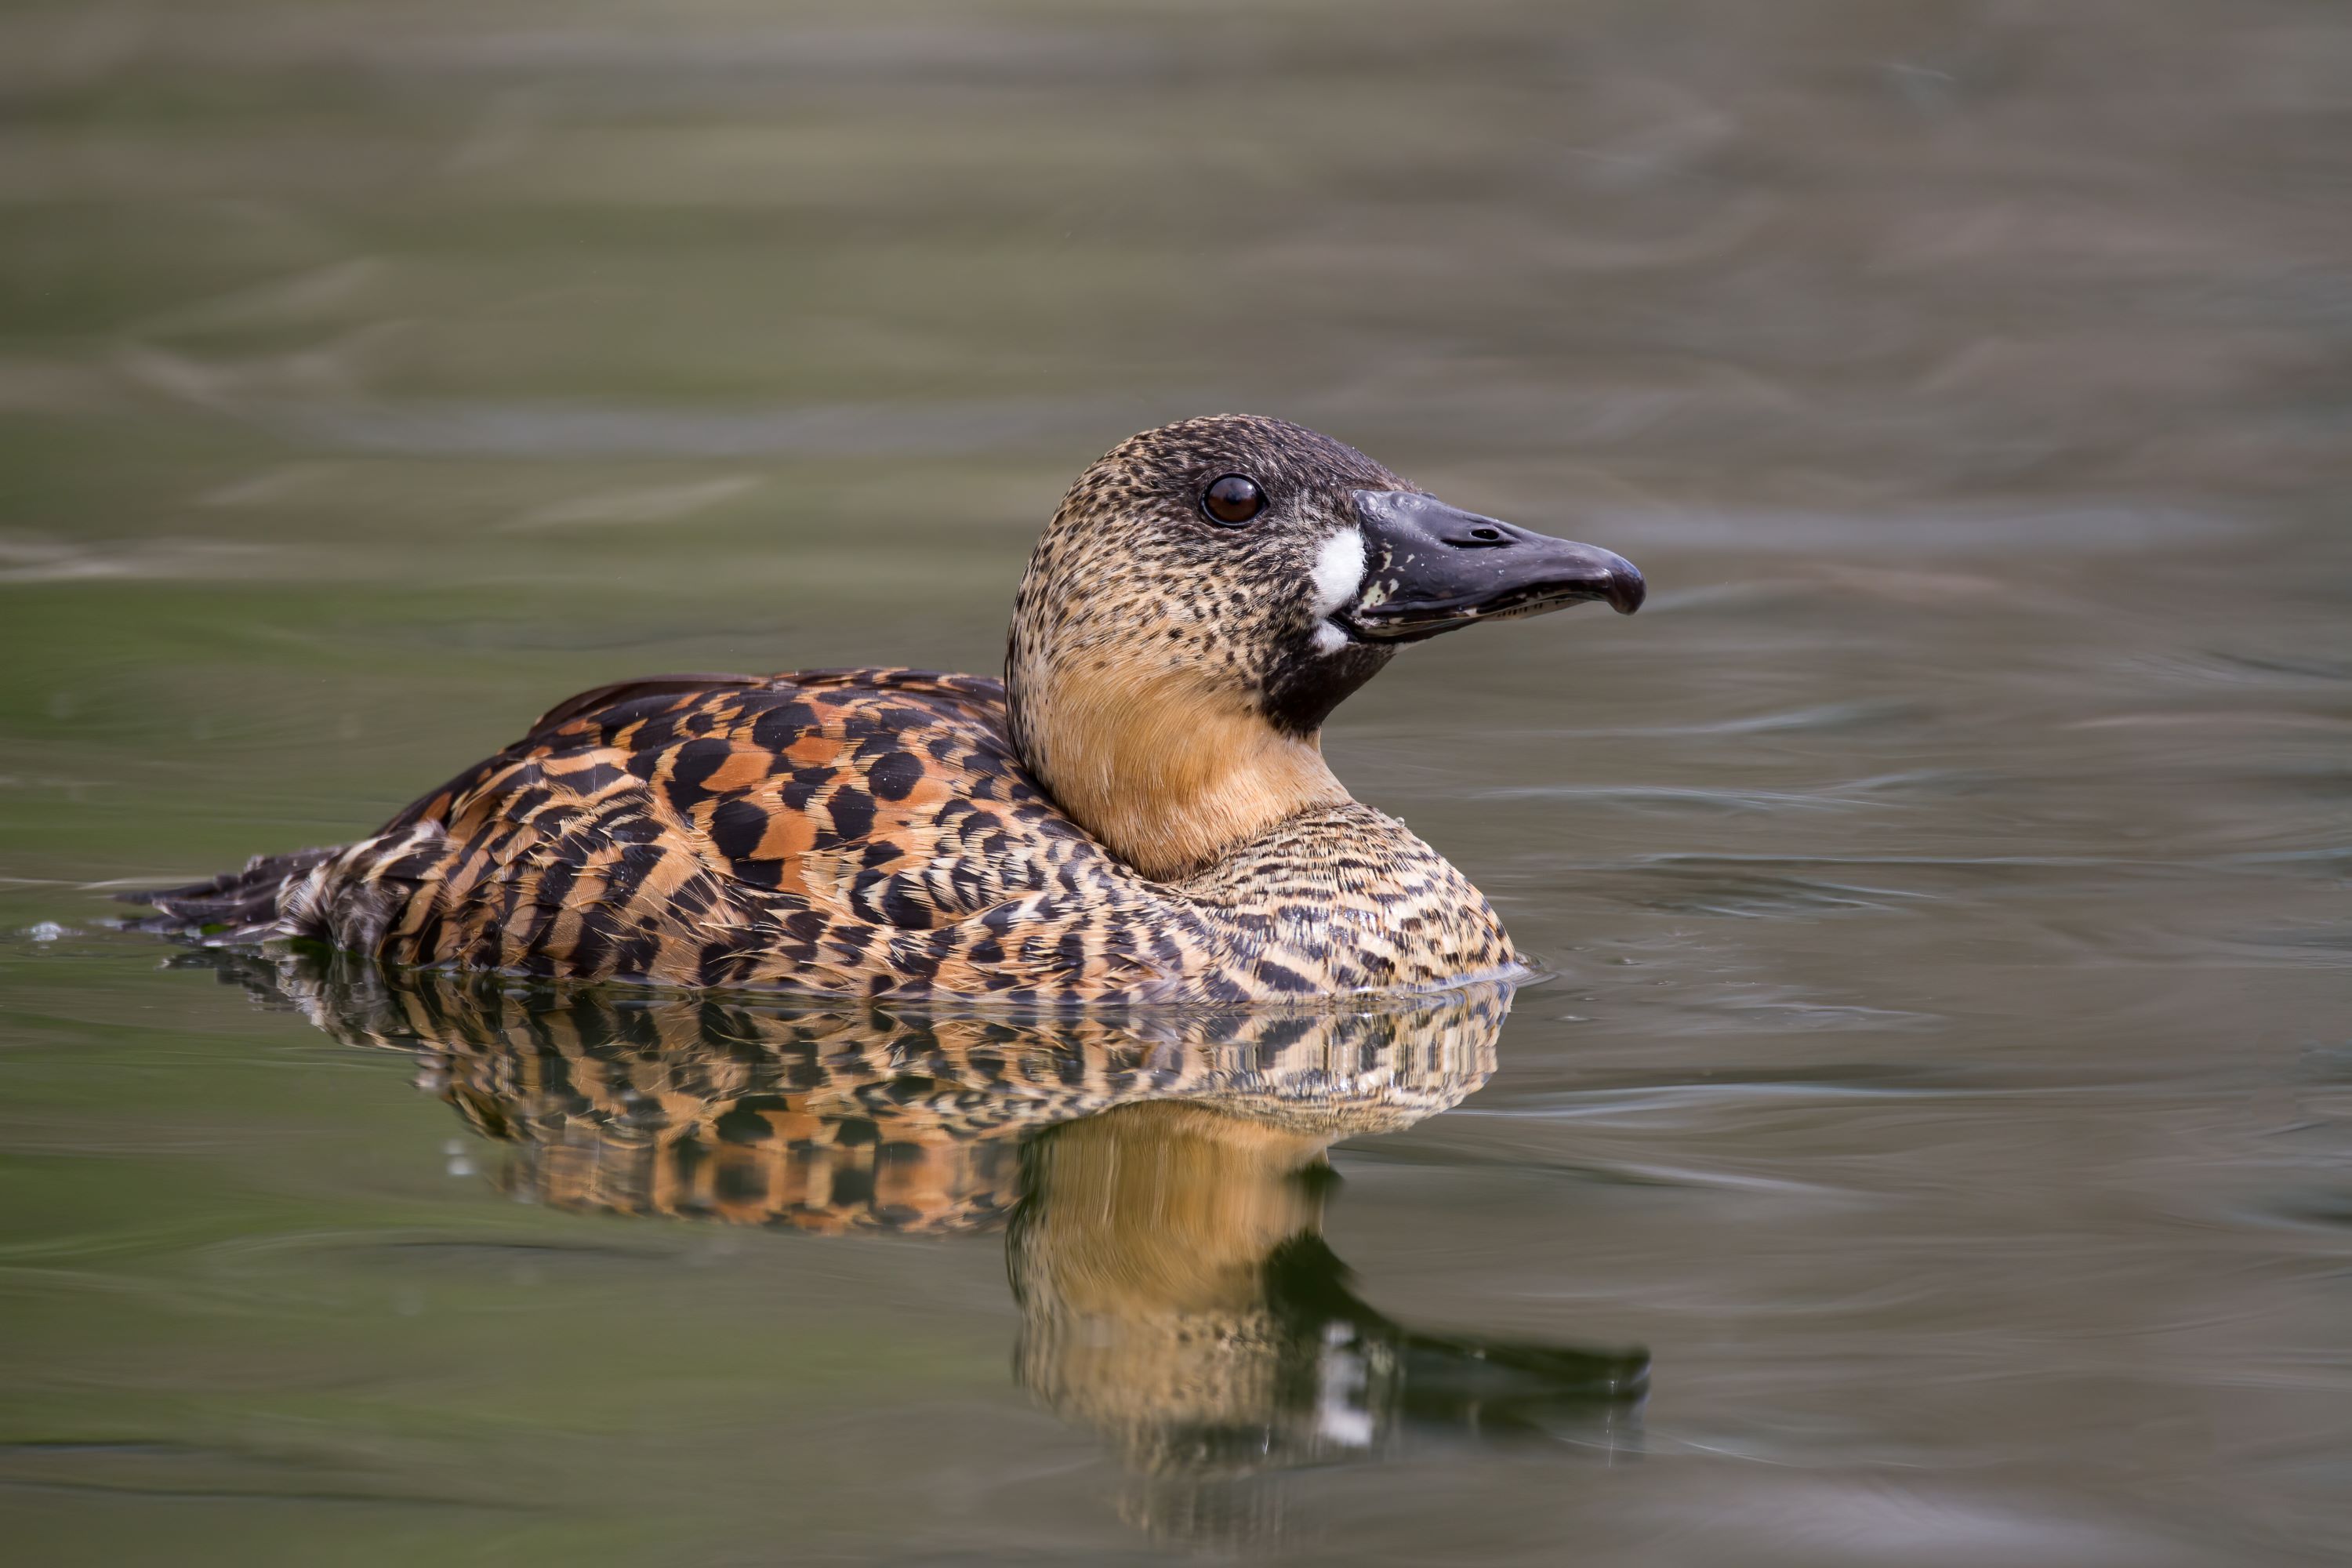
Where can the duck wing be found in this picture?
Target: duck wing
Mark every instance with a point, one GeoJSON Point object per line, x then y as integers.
{"type": "Point", "coordinates": [891, 795]}
{"type": "Point", "coordinates": [850, 830]}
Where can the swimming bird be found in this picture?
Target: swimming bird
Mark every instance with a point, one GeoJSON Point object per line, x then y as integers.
{"type": "Point", "coordinates": [1139, 812]}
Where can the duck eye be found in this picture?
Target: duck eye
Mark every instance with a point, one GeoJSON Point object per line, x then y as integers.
{"type": "Point", "coordinates": [1232, 501]}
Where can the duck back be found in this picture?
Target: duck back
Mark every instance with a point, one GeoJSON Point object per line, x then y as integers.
{"type": "Point", "coordinates": [851, 832]}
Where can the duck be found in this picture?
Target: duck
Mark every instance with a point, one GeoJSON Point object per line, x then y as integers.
{"type": "Point", "coordinates": [1139, 811]}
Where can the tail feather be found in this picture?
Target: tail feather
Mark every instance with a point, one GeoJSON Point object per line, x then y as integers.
{"type": "Point", "coordinates": [234, 902]}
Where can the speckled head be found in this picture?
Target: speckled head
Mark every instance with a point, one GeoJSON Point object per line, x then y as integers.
{"type": "Point", "coordinates": [1210, 590]}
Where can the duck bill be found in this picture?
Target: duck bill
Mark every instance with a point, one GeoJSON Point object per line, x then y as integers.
{"type": "Point", "coordinates": [1434, 568]}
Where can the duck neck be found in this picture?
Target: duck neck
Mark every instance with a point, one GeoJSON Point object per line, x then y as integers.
{"type": "Point", "coordinates": [1169, 773]}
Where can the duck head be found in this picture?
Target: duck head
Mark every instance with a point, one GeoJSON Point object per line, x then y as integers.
{"type": "Point", "coordinates": [1210, 590]}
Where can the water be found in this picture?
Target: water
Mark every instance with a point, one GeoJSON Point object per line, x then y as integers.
{"type": "Point", "coordinates": [1931, 1146]}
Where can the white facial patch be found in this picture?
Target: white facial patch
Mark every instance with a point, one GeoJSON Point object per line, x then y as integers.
{"type": "Point", "coordinates": [1338, 570]}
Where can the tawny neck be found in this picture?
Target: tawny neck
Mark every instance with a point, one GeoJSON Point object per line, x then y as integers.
{"type": "Point", "coordinates": [1170, 776]}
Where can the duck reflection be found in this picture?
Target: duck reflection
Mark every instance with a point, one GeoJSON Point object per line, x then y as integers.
{"type": "Point", "coordinates": [1161, 1180]}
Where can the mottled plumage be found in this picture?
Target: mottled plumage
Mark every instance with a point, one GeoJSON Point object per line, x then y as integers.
{"type": "Point", "coordinates": [1144, 817]}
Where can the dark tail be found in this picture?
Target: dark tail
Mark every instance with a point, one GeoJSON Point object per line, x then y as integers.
{"type": "Point", "coordinates": [232, 902]}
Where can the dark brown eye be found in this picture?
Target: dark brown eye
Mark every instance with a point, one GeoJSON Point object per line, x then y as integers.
{"type": "Point", "coordinates": [1232, 501]}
